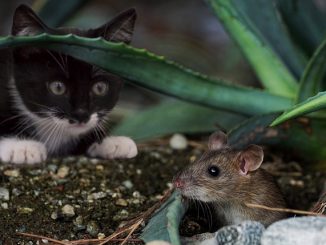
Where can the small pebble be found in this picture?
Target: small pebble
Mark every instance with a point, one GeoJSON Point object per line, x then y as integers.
{"type": "Point", "coordinates": [16, 192]}
{"type": "Point", "coordinates": [69, 159]}
{"type": "Point", "coordinates": [116, 195]}
{"type": "Point", "coordinates": [79, 220]}
{"type": "Point", "coordinates": [4, 205]}
{"type": "Point", "coordinates": [52, 168]}
{"type": "Point", "coordinates": [136, 194]}
{"type": "Point", "coordinates": [4, 194]}
{"type": "Point", "coordinates": [78, 223]}
{"type": "Point", "coordinates": [62, 172]}
{"type": "Point", "coordinates": [96, 195]}
{"type": "Point", "coordinates": [83, 160]}
{"type": "Point", "coordinates": [54, 215]}
{"type": "Point", "coordinates": [124, 212]}
{"type": "Point", "coordinates": [169, 185]}
{"type": "Point", "coordinates": [298, 183]}
{"type": "Point", "coordinates": [99, 167]}
{"type": "Point", "coordinates": [128, 184]}
{"type": "Point", "coordinates": [12, 173]}
{"type": "Point", "coordinates": [24, 210]}
{"type": "Point", "coordinates": [178, 142]}
{"type": "Point", "coordinates": [68, 210]}
{"type": "Point", "coordinates": [92, 228]}
{"type": "Point", "coordinates": [94, 161]}
{"type": "Point", "coordinates": [121, 202]}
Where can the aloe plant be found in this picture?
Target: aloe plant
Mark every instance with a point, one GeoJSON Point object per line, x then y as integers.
{"type": "Point", "coordinates": [289, 62]}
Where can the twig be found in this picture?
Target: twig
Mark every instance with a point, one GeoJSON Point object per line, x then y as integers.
{"type": "Point", "coordinates": [285, 210]}
{"type": "Point", "coordinates": [148, 213]}
{"type": "Point", "coordinates": [132, 230]}
{"type": "Point", "coordinates": [115, 234]}
{"type": "Point", "coordinates": [43, 237]}
{"type": "Point", "coordinates": [88, 241]}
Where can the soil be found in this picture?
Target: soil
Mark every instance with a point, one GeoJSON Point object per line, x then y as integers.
{"type": "Point", "coordinates": [80, 198]}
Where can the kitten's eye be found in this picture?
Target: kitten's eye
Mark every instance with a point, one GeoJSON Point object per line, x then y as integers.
{"type": "Point", "coordinates": [57, 88]}
{"type": "Point", "coordinates": [213, 171]}
{"type": "Point", "coordinates": [100, 88]}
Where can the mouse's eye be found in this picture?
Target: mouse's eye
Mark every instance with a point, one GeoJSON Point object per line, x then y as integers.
{"type": "Point", "coordinates": [213, 171]}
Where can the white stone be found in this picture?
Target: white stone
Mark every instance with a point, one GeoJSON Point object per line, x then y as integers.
{"type": "Point", "coordinates": [4, 205]}
{"type": "Point", "coordinates": [178, 142]}
{"type": "Point", "coordinates": [158, 243]}
{"type": "Point", "coordinates": [68, 210]}
{"type": "Point", "coordinates": [296, 231]}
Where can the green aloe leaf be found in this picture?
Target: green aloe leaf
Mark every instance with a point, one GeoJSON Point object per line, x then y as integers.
{"type": "Point", "coordinates": [158, 74]}
{"type": "Point", "coordinates": [254, 130]}
{"type": "Point", "coordinates": [306, 22]}
{"type": "Point", "coordinates": [175, 117]}
{"type": "Point", "coordinates": [272, 72]}
{"type": "Point", "coordinates": [164, 225]}
{"type": "Point", "coordinates": [267, 21]}
{"type": "Point", "coordinates": [56, 12]}
{"type": "Point", "coordinates": [312, 104]}
{"type": "Point", "coordinates": [304, 138]}
{"type": "Point", "coordinates": [314, 74]}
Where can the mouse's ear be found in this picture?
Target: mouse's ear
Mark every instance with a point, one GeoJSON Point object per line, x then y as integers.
{"type": "Point", "coordinates": [119, 29]}
{"type": "Point", "coordinates": [217, 141]}
{"type": "Point", "coordinates": [26, 22]}
{"type": "Point", "coordinates": [250, 159]}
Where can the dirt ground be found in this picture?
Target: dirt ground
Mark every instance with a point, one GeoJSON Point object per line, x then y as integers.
{"type": "Point", "coordinates": [80, 198]}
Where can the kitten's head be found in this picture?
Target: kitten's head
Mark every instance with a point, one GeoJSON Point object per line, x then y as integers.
{"type": "Point", "coordinates": [51, 85]}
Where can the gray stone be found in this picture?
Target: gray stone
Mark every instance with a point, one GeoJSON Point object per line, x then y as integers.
{"type": "Point", "coordinates": [92, 228]}
{"type": "Point", "coordinates": [246, 233]}
{"type": "Point", "coordinates": [296, 231]}
{"type": "Point", "coordinates": [4, 194]}
{"type": "Point", "coordinates": [128, 184]}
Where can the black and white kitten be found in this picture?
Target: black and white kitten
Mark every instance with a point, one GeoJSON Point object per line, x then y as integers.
{"type": "Point", "coordinates": [52, 104]}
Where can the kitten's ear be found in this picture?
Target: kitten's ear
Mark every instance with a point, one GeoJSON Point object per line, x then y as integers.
{"type": "Point", "coordinates": [26, 22]}
{"type": "Point", "coordinates": [217, 141]}
{"type": "Point", "coordinates": [119, 29]}
{"type": "Point", "coordinates": [251, 159]}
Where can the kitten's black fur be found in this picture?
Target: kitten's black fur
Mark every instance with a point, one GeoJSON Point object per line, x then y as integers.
{"type": "Point", "coordinates": [26, 73]}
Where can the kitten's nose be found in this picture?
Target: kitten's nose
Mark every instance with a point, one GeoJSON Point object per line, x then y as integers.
{"type": "Point", "coordinates": [79, 116]}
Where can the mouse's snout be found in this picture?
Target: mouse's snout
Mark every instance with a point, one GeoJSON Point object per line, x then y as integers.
{"type": "Point", "coordinates": [178, 183]}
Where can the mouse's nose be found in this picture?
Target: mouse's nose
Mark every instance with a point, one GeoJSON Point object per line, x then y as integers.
{"type": "Point", "coordinates": [178, 183]}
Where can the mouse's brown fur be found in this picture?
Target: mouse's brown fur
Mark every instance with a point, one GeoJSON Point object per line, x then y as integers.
{"type": "Point", "coordinates": [239, 181]}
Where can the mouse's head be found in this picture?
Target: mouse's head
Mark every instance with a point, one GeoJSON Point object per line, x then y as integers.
{"type": "Point", "coordinates": [222, 173]}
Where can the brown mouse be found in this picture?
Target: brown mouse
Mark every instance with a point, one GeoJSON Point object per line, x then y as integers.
{"type": "Point", "coordinates": [229, 179]}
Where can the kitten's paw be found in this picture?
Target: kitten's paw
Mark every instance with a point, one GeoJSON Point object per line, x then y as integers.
{"type": "Point", "coordinates": [18, 151]}
{"type": "Point", "coordinates": [114, 147]}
